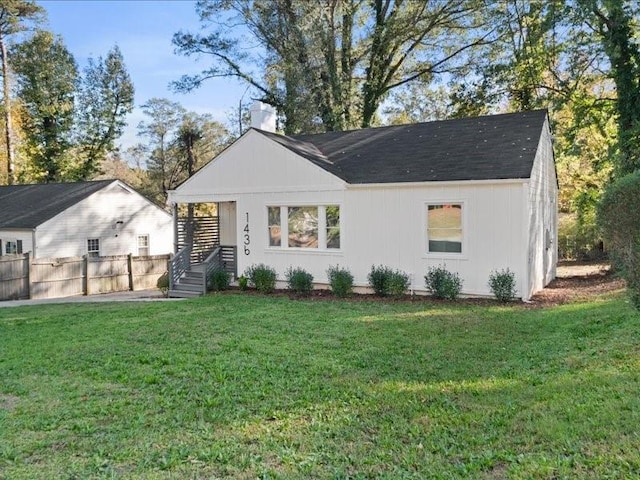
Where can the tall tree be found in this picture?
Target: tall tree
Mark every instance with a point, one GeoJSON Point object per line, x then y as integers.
{"type": "Point", "coordinates": [164, 118]}
{"type": "Point", "coordinates": [47, 79]}
{"type": "Point", "coordinates": [330, 64]}
{"type": "Point", "coordinates": [617, 22]}
{"type": "Point", "coordinates": [14, 15]}
{"type": "Point", "coordinates": [104, 100]}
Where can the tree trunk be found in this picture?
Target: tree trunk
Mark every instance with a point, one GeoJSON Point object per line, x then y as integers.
{"type": "Point", "coordinates": [7, 111]}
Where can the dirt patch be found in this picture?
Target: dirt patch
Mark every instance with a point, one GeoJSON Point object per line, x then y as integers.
{"type": "Point", "coordinates": [578, 282]}
{"type": "Point", "coordinates": [8, 402]}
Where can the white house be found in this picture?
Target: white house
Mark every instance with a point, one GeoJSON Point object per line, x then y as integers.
{"type": "Point", "coordinates": [474, 195]}
{"type": "Point", "coordinates": [99, 218]}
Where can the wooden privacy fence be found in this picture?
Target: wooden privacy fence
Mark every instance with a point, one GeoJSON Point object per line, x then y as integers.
{"type": "Point", "coordinates": [24, 277]}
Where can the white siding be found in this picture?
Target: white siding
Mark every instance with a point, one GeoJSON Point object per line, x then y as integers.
{"type": "Point", "coordinates": [387, 226]}
{"type": "Point", "coordinates": [542, 254]}
{"type": "Point", "coordinates": [253, 164]}
{"type": "Point", "coordinates": [12, 235]}
{"type": "Point", "coordinates": [96, 216]}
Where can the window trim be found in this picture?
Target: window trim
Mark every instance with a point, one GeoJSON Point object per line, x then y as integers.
{"type": "Point", "coordinates": [322, 227]}
{"type": "Point", "coordinates": [148, 246]}
{"type": "Point", "coordinates": [91, 252]}
{"type": "Point", "coordinates": [463, 224]}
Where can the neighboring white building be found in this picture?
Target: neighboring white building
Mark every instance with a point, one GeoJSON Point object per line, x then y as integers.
{"type": "Point", "coordinates": [474, 195]}
{"type": "Point", "coordinates": [99, 218]}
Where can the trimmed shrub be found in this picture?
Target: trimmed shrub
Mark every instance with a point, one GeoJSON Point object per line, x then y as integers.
{"type": "Point", "coordinates": [441, 283]}
{"type": "Point", "coordinates": [619, 219]}
{"type": "Point", "coordinates": [243, 282]}
{"type": "Point", "coordinates": [340, 280]}
{"type": "Point", "coordinates": [262, 277]}
{"type": "Point", "coordinates": [163, 283]}
{"type": "Point", "coordinates": [385, 281]}
{"type": "Point", "coordinates": [299, 281]}
{"type": "Point", "coordinates": [503, 285]}
{"type": "Point", "coordinates": [219, 280]}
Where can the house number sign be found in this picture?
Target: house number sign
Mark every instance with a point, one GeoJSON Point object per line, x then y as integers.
{"type": "Point", "coordinates": [246, 237]}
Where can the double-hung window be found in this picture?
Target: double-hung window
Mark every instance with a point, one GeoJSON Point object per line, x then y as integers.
{"type": "Point", "coordinates": [444, 228]}
{"type": "Point", "coordinates": [93, 247]}
{"type": "Point", "coordinates": [143, 245]}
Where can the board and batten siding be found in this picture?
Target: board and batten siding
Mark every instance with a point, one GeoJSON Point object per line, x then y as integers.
{"type": "Point", "coordinates": [387, 225]}
{"type": "Point", "coordinates": [97, 216]}
{"type": "Point", "coordinates": [542, 217]}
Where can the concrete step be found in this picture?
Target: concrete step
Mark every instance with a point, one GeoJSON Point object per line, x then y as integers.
{"type": "Point", "coordinates": [183, 294]}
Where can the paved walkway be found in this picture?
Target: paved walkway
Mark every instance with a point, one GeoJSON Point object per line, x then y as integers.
{"type": "Point", "coordinates": [138, 296]}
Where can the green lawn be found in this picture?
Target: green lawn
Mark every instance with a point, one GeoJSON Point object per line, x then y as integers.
{"type": "Point", "coordinates": [244, 386]}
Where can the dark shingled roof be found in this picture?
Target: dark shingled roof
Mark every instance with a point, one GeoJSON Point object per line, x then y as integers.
{"type": "Point", "coordinates": [482, 148]}
{"type": "Point", "coordinates": [27, 206]}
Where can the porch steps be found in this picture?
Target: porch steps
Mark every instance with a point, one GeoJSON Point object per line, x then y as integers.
{"type": "Point", "coordinates": [190, 285]}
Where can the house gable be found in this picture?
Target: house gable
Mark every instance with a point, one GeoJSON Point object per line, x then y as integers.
{"type": "Point", "coordinates": [254, 164]}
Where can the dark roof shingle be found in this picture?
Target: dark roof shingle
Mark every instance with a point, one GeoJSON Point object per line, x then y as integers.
{"type": "Point", "coordinates": [27, 206]}
{"type": "Point", "coordinates": [481, 148]}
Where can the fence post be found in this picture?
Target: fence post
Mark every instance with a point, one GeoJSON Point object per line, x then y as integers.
{"type": "Point", "coordinates": [86, 274]}
{"type": "Point", "coordinates": [130, 268]}
{"type": "Point", "coordinates": [28, 260]}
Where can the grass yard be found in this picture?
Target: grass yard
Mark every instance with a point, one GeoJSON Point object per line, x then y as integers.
{"type": "Point", "coordinates": [244, 386]}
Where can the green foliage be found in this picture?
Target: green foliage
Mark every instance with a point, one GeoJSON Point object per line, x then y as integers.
{"type": "Point", "coordinates": [503, 285]}
{"type": "Point", "coordinates": [441, 283]}
{"type": "Point", "coordinates": [104, 100]}
{"type": "Point", "coordinates": [299, 280]}
{"type": "Point", "coordinates": [163, 283]}
{"type": "Point", "coordinates": [340, 280]}
{"type": "Point", "coordinates": [262, 277]}
{"type": "Point", "coordinates": [386, 281]}
{"type": "Point", "coordinates": [243, 282]}
{"type": "Point", "coordinates": [619, 218]}
{"type": "Point", "coordinates": [579, 241]}
{"type": "Point", "coordinates": [219, 280]}
{"type": "Point", "coordinates": [47, 81]}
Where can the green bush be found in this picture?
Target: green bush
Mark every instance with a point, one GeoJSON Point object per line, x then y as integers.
{"type": "Point", "coordinates": [219, 280]}
{"type": "Point", "coordinates": [619, 219]}
{"type": "Point", "coordinates": [262, 277]}
{"type": "Point", "coordinates": [340, 280]}
{"type": "Point", "coordinates": [299, 281]}
{"type": "Point", "coordinates": [386, 281]}
{"type": "Point", "coordinates": [503, 285]}
{"type": "Point", "coordinates": [243, 282]}
{"type": "Point", "coordinates": [441, 283]}
{"type": "Point", "coordinates": [163, 283]}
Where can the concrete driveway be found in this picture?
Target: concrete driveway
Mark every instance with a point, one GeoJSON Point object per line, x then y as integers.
{"type": "Point", "coordinates": [138, 296]}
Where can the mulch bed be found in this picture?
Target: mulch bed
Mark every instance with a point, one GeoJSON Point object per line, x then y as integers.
{"type": "Point", "coordinates": [575, 282]}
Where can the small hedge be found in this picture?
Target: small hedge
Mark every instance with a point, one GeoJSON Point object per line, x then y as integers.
{"type": "Point", "coordinates": [441, 283]}
{"type": "Point", "coordinates": [262, 277]}
{"type": "Point", "coordinates": [503, 285]}
{"type": "Point", "coordinates": [385, 281]}
{"type": "Point", "coordinates": [299, 281]}
{"type": "Point", "coordinates": [340, 280]}
{"type": "Point", "coordinates": [163, 283]}
{"type": "Point", "coordinates": [619, 218]}
{"type": "Point", "coordinates": [219, 280]}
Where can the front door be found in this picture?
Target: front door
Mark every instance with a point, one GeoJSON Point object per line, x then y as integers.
{"type": "Point", "coordinates": [228, 223]}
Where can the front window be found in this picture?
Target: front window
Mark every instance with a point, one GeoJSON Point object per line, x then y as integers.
{"type": "Point", "coordinates": [275, 227]}
{"type": "Point", "coordinates": [143, 245]}
{"type": "Point", "coordinates": [11, 248]}
{"type": "Point", "coordinates": [93, 247]}
{"type": "Point", "coordinates": [333, 226]}
{"type": "Point", "coordinates": [303, 227]}
{"type": "Point", "coordinates": [444, 228]}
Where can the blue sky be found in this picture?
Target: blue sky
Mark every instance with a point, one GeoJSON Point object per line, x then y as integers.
{"type": "Point", "coordinates": [143, 31]}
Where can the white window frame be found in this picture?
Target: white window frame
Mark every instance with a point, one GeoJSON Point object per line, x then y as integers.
{"type": "Point", "coordinates": [147, 246]}
{"type": "Point", "coordinates": [92, 253]}
{"type": "Point", "coordinates": [322, 227]}
{"type": "Point", "coordinates": [463, 222]}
